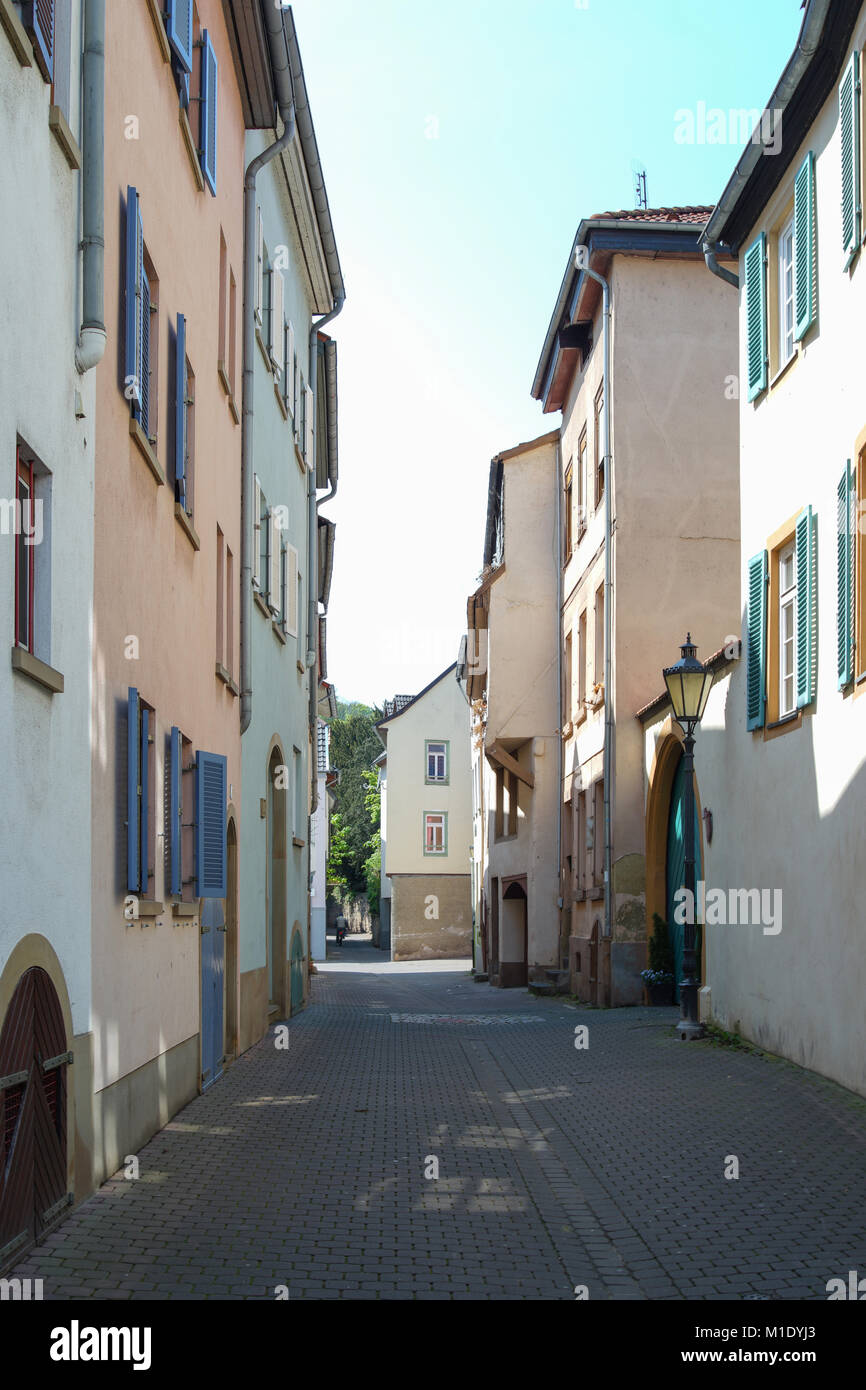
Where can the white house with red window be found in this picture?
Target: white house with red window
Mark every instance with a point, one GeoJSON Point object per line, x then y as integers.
{"type": "Point", "coordinates": [47, 390]}
{"type": "Point", "coordinates": [427, 821]}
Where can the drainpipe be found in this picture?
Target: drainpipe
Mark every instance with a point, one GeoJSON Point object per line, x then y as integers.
{"type": "Point", "coordinates": [313, 545]}
{"type": "Point", "coordinates": [92, 335]}
{"type": "Point", "coordinates": [557, 554]}
{"type": "Point", "coordinates": [287, 114]}
{"type": "Point", "coordinates": [581, 261]}
{"type": "Point", "coordinates": [711, 251]}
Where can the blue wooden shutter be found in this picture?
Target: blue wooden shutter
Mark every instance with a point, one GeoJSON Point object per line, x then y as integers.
{"type": "Point", "coordinates": [133, 750]}
{"type": "Point", "coordinates": [179, 26]}
{"type": "Point", "coordinates": [208, 112]}
{"type": "Point", "coordinates": [804, 247]}
{"type": "Point", "coordinates": [38, 19]}
{"type": "Point", "coordinates": [144, 802]}
{"type": "Point", "coordinates": [145, 354]}
{"type": "Point", "coordinates": [756, 315]}
{"type": "Point", "coordinates": [805, 608]}
{"type": "Point", "coordinates": [849, 140]}
{"type": "Point", "coordinates": [844, 578]}
{"type": "Point", "coordinates": [175, 814]}
{"type": "Point", "coordinates": [756, 641]}
{"type": "Point", "coordinates": [134, 277]}
{"type": "Point", "coordinates": [210, 825]}
{"type": "Point", "coordinates": [180, 415]}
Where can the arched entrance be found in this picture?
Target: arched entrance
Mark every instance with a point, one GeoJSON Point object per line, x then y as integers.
{"type": "Point", "coordinates": [514, 943]}
{"type": "Point", "coordinates": [231, 1019]}
{"type": "Point", "coordinates": [34, 1058]}
{"type": "Point", "coordinates": [664, 828]}
{"type": "Point", "coordinates": [675, 870]}
{"type": "Point", "coordinates": [276, 880]}
{"type": "Point", "coordinates": [297, 969]}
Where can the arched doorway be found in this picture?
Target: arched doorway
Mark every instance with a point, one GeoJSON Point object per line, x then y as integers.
{"type": "Point", "coordinates": [231, 1014]}
{"type": "Point", "coordinates": [514, 943]}
{"type": "Point", "coordinates": [34, 1058]}
{"type": "Point", "coordinates": [675, 859]}
{"type": "Point", "coordinates": [297, 969]}
{"type": "Point", "coordinates": [276, 880]}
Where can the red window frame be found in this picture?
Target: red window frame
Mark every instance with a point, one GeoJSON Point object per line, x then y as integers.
{"type": "Point", "coordinates": [24, 565]}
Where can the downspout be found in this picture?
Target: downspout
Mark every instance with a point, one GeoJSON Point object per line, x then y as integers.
{"type": "Point", "coordinates": [711, 251]}
{"type": "Point", "coordinates": [92, 335]}
{"type": "Point", "coordinates": [557, 558]}
{"type": "Point", "coordinates": [581, 261]}
{"type": "Point", "coordinates": [312, 654]}
{"type": "Point", "coordinates": [287, 114]}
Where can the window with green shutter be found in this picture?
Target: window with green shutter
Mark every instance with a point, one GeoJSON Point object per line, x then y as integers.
{"type": "Point", "coordinates": [756, 642]}
{"type": "Point", "coordinates": [805, 543]}
{"type": "Point", "coordinates": [756, 316]}
{"type": "Point", "coordinates": [849, 141]}
{"type": "Point", "coordinates": [805, 265]}
{"type": "Point", "coordinates": [845, 577]}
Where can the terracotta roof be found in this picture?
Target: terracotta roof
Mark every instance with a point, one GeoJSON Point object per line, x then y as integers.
{"type": "Point", "coordinates": [697, 215]}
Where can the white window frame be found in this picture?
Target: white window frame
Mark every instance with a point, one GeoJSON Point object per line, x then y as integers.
{"type": "Point", "coordinates": [788, 603]}
{"type": "Point", "coordinates": [441, 752]}
{"type": "Point", "coordinates": [787, 301]}
{"type": "Point", "coordinates": [434, 816]}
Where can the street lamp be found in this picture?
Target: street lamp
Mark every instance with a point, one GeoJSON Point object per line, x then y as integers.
{"type": "Point", "coordinates": [688, 683]}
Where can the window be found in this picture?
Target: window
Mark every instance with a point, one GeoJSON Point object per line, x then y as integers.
{"type": "Point", "coordinates": [232, 330]}
{"type": "Point", "coordinates": [140, 794]}
{"type": "Point", "coordinates": [499, 814]}
{"type": "Point", "coordinates": [851, 610]}
{"type": "Point", "coordinates": [28, 518]}
{"type": "Point", "coordinates": [568, 677]}
{"type": "Point", "coordinates": [184, 451]}
{"type": "Point", "coordinates": [141, 338]}
{"type": "Point", "coordinates": [755, 273]}
{"type": "Point", "coordinates": [38, 19]}
{"type": "Point", "coordinates": [277, 335]}
{"type": "Point", "coordinates": [220, 596]}
{"type": "Point", "coordinates": [436, 832]}
{"type": "Point", "coordinates": [581, 484]}
{"type": "Point", "coordinates": [301, 415]}
{"type": "Point", "coordinates": [180, 812]}
{"type": "Point", "coordinates": [259, 535]}
{"type": "Point", "coordinates": [581, 665]}
{"type": "Point", "coordinates": [598, 834]}
{"type": "Point", "coordinates": [283, 583]}
{"type": "Point", "coordinates": [786, 293]}
{"type": "Point", "coordinates": [229, 646]}
{"type": "Point", "coordinates": [222, 355]}
{"type": "Point", "coordinates": [567, 507]}
{"type": "Point", "coordinates": [150, 355]}
{"type": "Point", "coordinates": [599, 640]}
{"type": "Point", "coordinates": [260, 269]}
{"type": "Point", "coordinates": [210, 825]}
{"type": "Point", "coordinates": [300, 805]}
{"type": "Point", "coordinates": [513, 802]}
{"type": "Point", "coordinates": [599, 447]}
{"type": "Point", "coordinates": [787, 629]}
{"type": "Point", "coordinates": [274, 562]}
{"type": "Point", "coordinates": [289, 371]}
{"type": "Point", "coordinates": [580, 846]}
{"type": "Point", "coordinates": [437, 761]}
{"type": "Point", "coordinates": [849, 141]}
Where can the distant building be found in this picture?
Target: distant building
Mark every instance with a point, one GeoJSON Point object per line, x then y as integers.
{"type": "Point", "coordinates": [427, 822]}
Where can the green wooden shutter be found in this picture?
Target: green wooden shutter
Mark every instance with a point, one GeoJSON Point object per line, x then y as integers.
{"type": "Point", "coordinates": [844, 578]}
{"type": "Point", "coordinates": [756, 642]}
{"type": "Point", "coordinates": [849, 133]}
{"type": "Point", "coordinates": [805, 272]}
{"type": "Point", "coordinates": [804, 540]}
{"type": "Point", "coordinates": [756, 315]}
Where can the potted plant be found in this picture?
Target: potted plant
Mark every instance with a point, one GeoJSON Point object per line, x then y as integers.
{"type": "Point", "coordinates": [658, 978]}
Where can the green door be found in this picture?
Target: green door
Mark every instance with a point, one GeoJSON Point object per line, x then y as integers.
{"type": "Point", "coordinates": [676, 867]}
{"type": "Point", "coordinates": [297, 968]}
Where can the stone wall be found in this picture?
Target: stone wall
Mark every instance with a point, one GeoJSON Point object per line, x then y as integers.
{"type": "Point", "coordinates": [431, 917]}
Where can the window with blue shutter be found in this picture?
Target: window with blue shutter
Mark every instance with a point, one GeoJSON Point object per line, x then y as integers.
{"type": "Point", "coordinates": [178, 23]}
{"type": "Point", "coordinates": [805, 545]}
{"type": "Point", "coordinates": [175, 814]}
{"type": "Point", "coordinates": [208, 113]}
{"type": "Point", "coordinates": [37, 16]}
{"type": "Point", "coordinates": [133, 369]}
{"type": "Point", "coordinates": [133, 791]}
{"type": "Point", "coordinates": [210, 825]}
{"type": "Point", "coordinates": [756, 642]}
{"type": "Point", "coordinates": [144, 414]}
{"type": "Point", "coordinates": [180, 434]}
{"type": "Point", "coordinates": [849, 141]}
{"type": "Point", "coordinates": [845, 498]}
{"type": "Point", "coordinates": [805, 265]}
{"type": "Point", "coordinates": [144, 800]}
{"type": "Point", "coordinates": [756, 315]}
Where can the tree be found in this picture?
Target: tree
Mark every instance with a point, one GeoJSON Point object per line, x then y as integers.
{"type": "Point", "coordinates": [354, 746]}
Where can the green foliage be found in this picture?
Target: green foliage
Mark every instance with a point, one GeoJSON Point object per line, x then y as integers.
{"type": "Point", "coordinates": [354, 824]}
{"type": "Point", "coordinates": [661, 956]}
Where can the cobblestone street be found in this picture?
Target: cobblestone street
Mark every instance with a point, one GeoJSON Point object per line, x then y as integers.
{"type": "Point", "coordinates": [558, 1167]}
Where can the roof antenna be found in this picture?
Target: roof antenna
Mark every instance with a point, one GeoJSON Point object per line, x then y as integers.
{"type": "Point", "coordinates": [640, 188]}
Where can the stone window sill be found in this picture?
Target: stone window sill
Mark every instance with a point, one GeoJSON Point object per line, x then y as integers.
{"type": "Point", "coordinates": [59, 128]}
{"type": "Point", "coordinates": [301, 667]}
{"type": "Point", "coordinates": [159, 28]}
{"type": "Point", "coordinates": [226, 677]}
{"type": "Point", "coordinates": [148, 907]}
{"type": "Point", "coordinates": [280, 402]}
{"type": "Point", "coordinates": [278, 632]}
{"type": "Point", "coordinates": [261, 605]}
{"type": "Point", "coordinates": [146, 450]}
{"type": "Point", "coordinates": [187, 526]}
{"type": "Point", "coordinates": [38, 671]}
{"type": "Point", "coordinates": [300, 459]}
{"type": "Point", "coordinates": [189, 145]}
{"type": "Point", "coordinates": [16, 33]}
{"type": "Point", "coordinates": [234, 410]}
{"type": "Point", "coordinates": [298, 843]}
{"type": "Point", "coordinates": [263, 348]}
{"type": "Point", "coordinates": [224, 377]}
{"type": "Point", "coordinates": [183, 910]}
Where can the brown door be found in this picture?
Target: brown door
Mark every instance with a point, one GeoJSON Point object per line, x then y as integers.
{"type": "Point", "coordinates": [33, 1080]}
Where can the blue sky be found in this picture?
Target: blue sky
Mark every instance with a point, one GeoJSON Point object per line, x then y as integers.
{"type": "Point", "coordinates": [462, 142]}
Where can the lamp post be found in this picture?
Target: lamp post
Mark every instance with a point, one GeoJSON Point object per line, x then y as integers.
{"type": "Point", "coordinates": [688, 683]}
